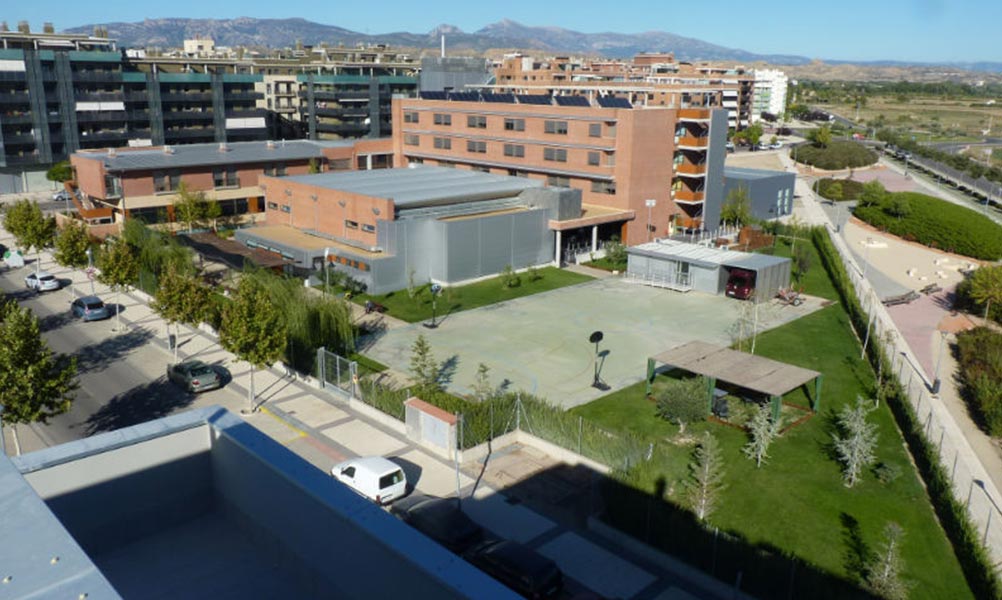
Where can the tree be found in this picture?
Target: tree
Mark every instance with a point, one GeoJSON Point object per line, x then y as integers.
{"type": "Point", "coordinates": [899, 206]}
{"type": "Point", "coordinates": [883, 576]}
{"type": "Point", "coordinates": [801, 262]}
{"type": "Point", "coordinates": [59, 172]}
{"type": "Point", "coordinates": [314, 166]}
{"type": "Point", "coordinates": [986, 287]}
{"type": "Point", "coordinates": [683, 401]}
{"type": "Point", "coordinates": [119, 268]}
{"type": "Point", "coordinates": [30, 227]}
{"type": "Point", "coordinates": [615, 251]}
{"type": "Point", "coordinates": [180, 298]}
{"type": "Point", "coordinates": [736, 210]}
{"type": "Point", "coordinates": [834, 191]}
{"type": "Point", "coordinates": [822, 136]}
{"type": "Point", "coordinates": [189, 207]}
{"type": "Point", "coordinates": [753, 133]}
{"type": "Point", "coordinates": [856, 441]}
{"type": "Point", "coordinates": [873, 194]}
{"type": "Point", "coordinates": [72, 243]}
{"type": "Point", "coordinates": [253, 329]}
{"type": "Point", "coordinates": [35, 384]}
{"type": "Point", "coordinates": [213, 210]}
{"type": "Point", "coordinates": [482, 388]}
{"type": "Point", "coordinates": [424, 368]}
{"type": "Point", "coordinates": [706, 477]}
{"type": "Point", "coordinates": [763, 431]}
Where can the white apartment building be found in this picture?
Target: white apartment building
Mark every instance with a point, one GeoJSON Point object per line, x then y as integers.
{"type": "Point", "coordinates": [768, 93]}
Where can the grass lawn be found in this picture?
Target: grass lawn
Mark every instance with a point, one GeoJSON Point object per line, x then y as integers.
{"type": "Point", "coordinates": [399, 304]}
{"type": "Point", "coordinates": [607, 265]}
{"type": "Point", "coordinates": [797, 502]}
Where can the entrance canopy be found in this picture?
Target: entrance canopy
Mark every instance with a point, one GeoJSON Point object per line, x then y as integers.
{"type": "Point", "coordinates": [756, 373]}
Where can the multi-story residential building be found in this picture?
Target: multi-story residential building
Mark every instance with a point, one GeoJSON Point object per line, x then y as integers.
{"type": "Point", "coordinates": [144, 182]}
{"type": "Point", "coordinates": [769, 94]}
{"type": "Point", "coordinates": [642, 171]}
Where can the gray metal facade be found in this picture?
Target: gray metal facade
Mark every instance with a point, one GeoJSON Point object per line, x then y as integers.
{"type": "Point", "coordinates": [453, 73]}
{"type": "Point", "coordinates": [714, 198]}
{"type": "Point", "coordinates": [770, 192]}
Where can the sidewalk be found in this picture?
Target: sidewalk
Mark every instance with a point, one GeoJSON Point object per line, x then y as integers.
{"type": "Point", "coordinates": [324, 429]}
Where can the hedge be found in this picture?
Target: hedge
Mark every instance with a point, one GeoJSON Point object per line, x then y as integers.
{"type": "Point", "coordinates": [980, 358]}
{"type": "Point", "coordinates": [938, 224]}
{"type": "Point", "coordinates": [836, 155]}
{"type": "Point", "coordinates": [850, 188]}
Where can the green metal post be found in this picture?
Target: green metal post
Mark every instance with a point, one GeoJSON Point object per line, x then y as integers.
{"type": "Point", "coordinates": [777, 401]}
{"type": "Point", "coordinates": [650, 375]}
{"type": "Point", "coordinates": [816, 400]}
{"type": "Point", "coordinates": [711, 384]}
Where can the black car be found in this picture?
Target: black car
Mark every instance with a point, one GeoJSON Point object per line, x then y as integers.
{"type": "Point", "coordinates": [441, 519]}
{"type": "Point", "coordinates": [519, 567]}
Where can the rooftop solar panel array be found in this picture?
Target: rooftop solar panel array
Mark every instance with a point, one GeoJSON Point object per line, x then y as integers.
{"type": "Point", "coordinates": [499, 98]}
{"type": "Point", "coordinates": [464, 96]}
{"type": "Point", "coordinates": [543, 99]}
{"type": "Point", "coordinates": [572, 101]}
{"type": "Point", "coordinates": [433, 95]}
{"type": "Point", "coordinates": [613, 102]}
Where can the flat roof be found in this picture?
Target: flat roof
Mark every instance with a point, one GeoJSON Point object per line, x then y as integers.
{"type": "Point", "coordinates": [693, 253]}
{"type": "Point", "coordinates": [296, 238]}
{"type": "Point", "coordinates": [421, 185]}
{"type": "Point", "coordinates": [748, 173]}
{"type": "Point", "coordinates": [234, 254]}
{"type": "Point", "coordinates": [192, 155]}
{"type": "Point", "coordinates": [751, 372]}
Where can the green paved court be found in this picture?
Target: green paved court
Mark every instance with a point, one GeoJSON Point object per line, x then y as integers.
{"type": "Point", "coordinates": [540, 343]}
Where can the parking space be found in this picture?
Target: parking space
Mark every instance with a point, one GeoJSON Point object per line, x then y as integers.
{"type": "Point", "coordinates": [365, 439]}
{"type": "Point", "coordinates": [597, 568]}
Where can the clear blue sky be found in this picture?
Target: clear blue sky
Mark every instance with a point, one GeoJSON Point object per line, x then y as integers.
{"type": "Point", "coordinates": [911, 30]}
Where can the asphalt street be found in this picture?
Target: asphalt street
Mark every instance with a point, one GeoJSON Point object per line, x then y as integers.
{"type": "Point", "coordinates": [121, 374]}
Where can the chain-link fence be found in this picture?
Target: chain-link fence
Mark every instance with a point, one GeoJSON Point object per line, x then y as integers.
{"type": "Point", "coordinates": [967, 475]}
{"type": "Point", "coordinates": [338, 372]}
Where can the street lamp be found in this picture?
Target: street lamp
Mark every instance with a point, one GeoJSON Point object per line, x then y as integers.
{"type": "Point", "coordinates": [651, 203]}
{"type": "Point", "coordinates": [327, 270]}
{"type": "Point", "coordinates": [597, 383]}
{"type": "Point", "coordinates": [90, 268]}
{"type": "Point", "coordinates": [939, 361]}
{"type": "Point", "coordinates": [435, 290]}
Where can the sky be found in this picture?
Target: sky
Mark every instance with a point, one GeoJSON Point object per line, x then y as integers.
{"type": "Point", "coordinates": [858, 30]}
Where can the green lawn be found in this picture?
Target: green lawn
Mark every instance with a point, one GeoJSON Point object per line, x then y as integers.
{"type": "Point", "coordinates": [796, 502]}
{"type": "Point", "coordinates": [607, 265]}
{"type": "Point", "coordinates": [401, 305]}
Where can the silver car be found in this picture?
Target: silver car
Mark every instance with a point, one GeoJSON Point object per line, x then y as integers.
{"type": "Point", "coordinates": [194, 376]}
{"type": "Point", "coordinates": [90, 308]}
{"type": "Point", "coordinates": [43, 281]}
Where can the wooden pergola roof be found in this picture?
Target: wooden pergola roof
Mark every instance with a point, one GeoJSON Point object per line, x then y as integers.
{"type": "Point", "coordinates": [751, 372]}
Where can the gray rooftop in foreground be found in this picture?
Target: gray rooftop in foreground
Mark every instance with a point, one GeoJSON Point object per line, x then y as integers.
{"type": "Point", "coordinates": [421, 185]}
{"type": "Point", "coordinates": [705, 255]}
{"type": "Point", "coordinates": [203, 505]}
{"type": "Point", "coordinates": [746, 173]}
{"type": "Point", "coordinates": [192, 155]}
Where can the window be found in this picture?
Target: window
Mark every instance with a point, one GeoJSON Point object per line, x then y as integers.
{"type": "Point", "coordinates": [480, 169]}
{"type": "Point", "coordinates": [368, 228]}
{"type": "Point", "coordinates": [416, 161]}
{"type": "Point", "coordinates": [555, 181]}
{"type": "Point", "coordinates": [442, 119]}
{"type": "Point", "coordinates": [595, 130]}
{"type": "Point", "coordinates": [273, 206]}
{"type": "Point", "coordinates": [611, 129]}
{"type": "Point", "coordinates": [514, 124]}
{"type": "Point", "coordinates": [555, 154]}
{"type": "Point", "coordinates": [474, 146]}
{"type": "Point", "coordinates": [225, 178]}
{"type": "Point", "coordinates": [443, 143]}
{"type": "Point", "coordinates": [516, 150]}
{"type": "Point", "coordinates": [166, 182]}
{"type": "Point", "coordinates": [412, 139]}
{"type": "Point", "coordinates": [410, 117]}
{"type": "Point", "coordinates": [603, 187]}
{"type": "Point", "coordinates": [594, 159]}
{"type": "Point", "coordinates": [558, 127]}
{"type": "Point", "coordinates": [476, 122]}
{"type": "Point", "coordinates": [351, 224]}
{"type": "Point", "coordinates": [286, 208]}
{"type": "Point", "coordinates": [280, 170]}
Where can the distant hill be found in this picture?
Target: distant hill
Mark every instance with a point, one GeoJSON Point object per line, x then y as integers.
{"type": "Point", "coordinates": [279, 33]}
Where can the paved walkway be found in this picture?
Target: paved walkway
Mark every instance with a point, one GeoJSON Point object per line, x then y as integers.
{"type": "Point", "coordinates": [324, 429]}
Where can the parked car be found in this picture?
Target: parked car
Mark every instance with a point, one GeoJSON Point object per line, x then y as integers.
{"type": "Point", "coordinates": [61, 196]}
{"type": "Point", "coordinates": [740, 284]}
{"type": "Point", "coordinates": [441, 519]}
{"type": "Point", "coordinates": [729, 146]}
{"type": "Point", "coordinates": [194, 376]}
{"type": "Point", "coordinates": [519, 567]}
{"type": "Point", "coordinates": [42, 281]}
{"type": "Point", "coordinates": [762, 146]}
{"type": "Point", "coordinates": [90, 308]}
{"type": "Point", "coordinates": [776, 145]}
{"type": "Point", "coordinates": [373, 477]}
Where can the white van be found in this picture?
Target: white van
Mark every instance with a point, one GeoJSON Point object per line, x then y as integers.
{"type": "Point", "coordinates": [373, 477]}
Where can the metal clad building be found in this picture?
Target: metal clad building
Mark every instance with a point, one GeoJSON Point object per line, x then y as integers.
{"type": "Point", "coordinates": [770, 193]}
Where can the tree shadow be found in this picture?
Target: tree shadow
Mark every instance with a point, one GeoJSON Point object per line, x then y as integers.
{"type": "Point", "coordinates": [856, 552]}
{"type": "Point", "coordinates": [101, 355]}
{"type": "Point", "coordinates": [55, 321]}
{"type": "Point", "coordinates": [142, 403]}
{"type": "Point", "coordinates": [447, 370]}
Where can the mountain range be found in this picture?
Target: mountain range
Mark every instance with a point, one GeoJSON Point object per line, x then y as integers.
{"type": "Point", "coordinates": [503, 35]}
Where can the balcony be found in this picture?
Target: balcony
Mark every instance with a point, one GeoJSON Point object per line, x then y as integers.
{"type": "Point", "coordinates": [694, 114]}
{"type": "Point", "coordinates": [19, 119]}
{"type": "Point", "coordinates": [238, 96]}
{"type": "Point", "coordinates": [11, 139]}
{"type": "Point", "coordinates": [351, 128]}
{"type": "Point", "coordinates": [344, 112]}
{"type": "Point", "coordinates": [689, 141]}
{"type": "Point", "coordinates": [188, 115]}
{"type": "Point", "coordinates": [687, 196]}
{"type": "Point", "coordinates": [691, 170]}
{"type": "Point", "coordinates": [98, 96]}
{"type": "Point", "coordinates": [186, 97]}
{"type": "Point", "coordinates": [98, 116]}
{"type": "Point", "coordinates": [28, 159]}
{"type": "Point", "coordinates": [14, 98]}
{"type": "Point", "coordinates": [98, 76]}
{"type": "Point", "coordinates": [190, 133]}
{"type": "Point", "coordinates": [137, 97]}
{"type": "Point", "coordinates": [246, 114]}
{"type": "Point", "coordinates": [106, 135]}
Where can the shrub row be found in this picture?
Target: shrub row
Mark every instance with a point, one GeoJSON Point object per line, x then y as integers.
{"type": "Point", "coordinates": [962, 300]}
{"type": "Point", "coordinates": [849, 189]}
{"type": "Point", "coordinates": [936, 223]}
{"type": "Point", "coordinates": [957, 161]}
{"type": "Point", "coordinates": [980, 354]}
{"type": "Point", "coordinates": [836, 155]}
{"type": "Point", "coordinates": [963, 535]}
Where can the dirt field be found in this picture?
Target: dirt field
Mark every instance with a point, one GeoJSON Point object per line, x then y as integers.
{"type": "Point", "coordinates": [930, 118]}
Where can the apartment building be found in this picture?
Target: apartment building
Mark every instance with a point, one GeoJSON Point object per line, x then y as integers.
{"type": "Point", "coordinates": [643, 172]}
{"type": "Point", "coordinates": [143, 183]}
{"type": "Point", "coordinates": [769, 93]}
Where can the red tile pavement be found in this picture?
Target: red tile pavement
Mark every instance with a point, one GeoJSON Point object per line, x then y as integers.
{"type": "Point", "coordinates": [918, 322]}
{"type": "Point", "coordinates": [892, 180]}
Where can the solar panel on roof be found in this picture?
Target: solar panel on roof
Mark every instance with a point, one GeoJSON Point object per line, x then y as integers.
{"type": "Point", "coordinates": [500, 98]}
{"type": "Point", "coordinates": [433, 95]}
{"type": "Point", "coordinates": [572, 100]}
{"type": "Point", "coordinates": [613, 102]}
{"type": "Point", "coordinates": [533, 98]}
{"type": "Point", "coordinates": [464, 96]}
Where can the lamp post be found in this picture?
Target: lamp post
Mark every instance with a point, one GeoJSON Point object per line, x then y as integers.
{"type": "Point", "coordinates": [435, 290]}
{"type": "Point", "coordinates": [327, 278]}
{"type": "Point", "coordinates": [651, 203]}
{"type": "Point", "coordinates": [939, 361]}
{"type": "Point", "coordinates": [90, 268]}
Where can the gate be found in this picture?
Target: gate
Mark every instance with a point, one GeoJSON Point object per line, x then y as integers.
{"type": "Point", "coordinates": [337, 371]}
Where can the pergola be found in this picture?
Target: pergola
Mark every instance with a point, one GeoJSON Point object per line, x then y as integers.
{"type": "Point", "coordinates": [755, 373]}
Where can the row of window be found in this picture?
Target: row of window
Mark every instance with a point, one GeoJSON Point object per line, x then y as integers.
{"type": "Point", "coordinates": [348, 223]}
{"type": "Point", "coordinates": [511, 150]}
{"type": "Point", "coordinates": [598, 187]}
{"type": "Point", "coordinates": [553, 127]}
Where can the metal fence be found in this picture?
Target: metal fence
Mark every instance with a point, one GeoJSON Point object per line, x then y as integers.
{"type": "Point", "coordinates": [338, 372]}
{"type": "Point", "coordinates": [971, 484]}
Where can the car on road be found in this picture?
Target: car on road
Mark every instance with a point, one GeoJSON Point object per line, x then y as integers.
{"type": "Point", "coordinates": [194, 376]}
{"type": "Point", "coordinates": [90, 308]}
{"type": "Point", "coordinates": [762, 146]}
{"type": "Point", "coordinates": [729, 146]}
{"type": "Point", "coordinates": [42, 281]}
{"type": "Point", "coordinates": [61, 196]}
{"type": "Point", "coordinates": [519, 567]}
{"type": "Point", "coordinates": [441, 519]}
{"type": "Point", "coordinates": [776, 145]}
{"type": "Point", "coordinates": [374, 477]}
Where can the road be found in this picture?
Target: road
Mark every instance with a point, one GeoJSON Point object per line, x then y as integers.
{"type": "Point", "coordinates": [121, 375]}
